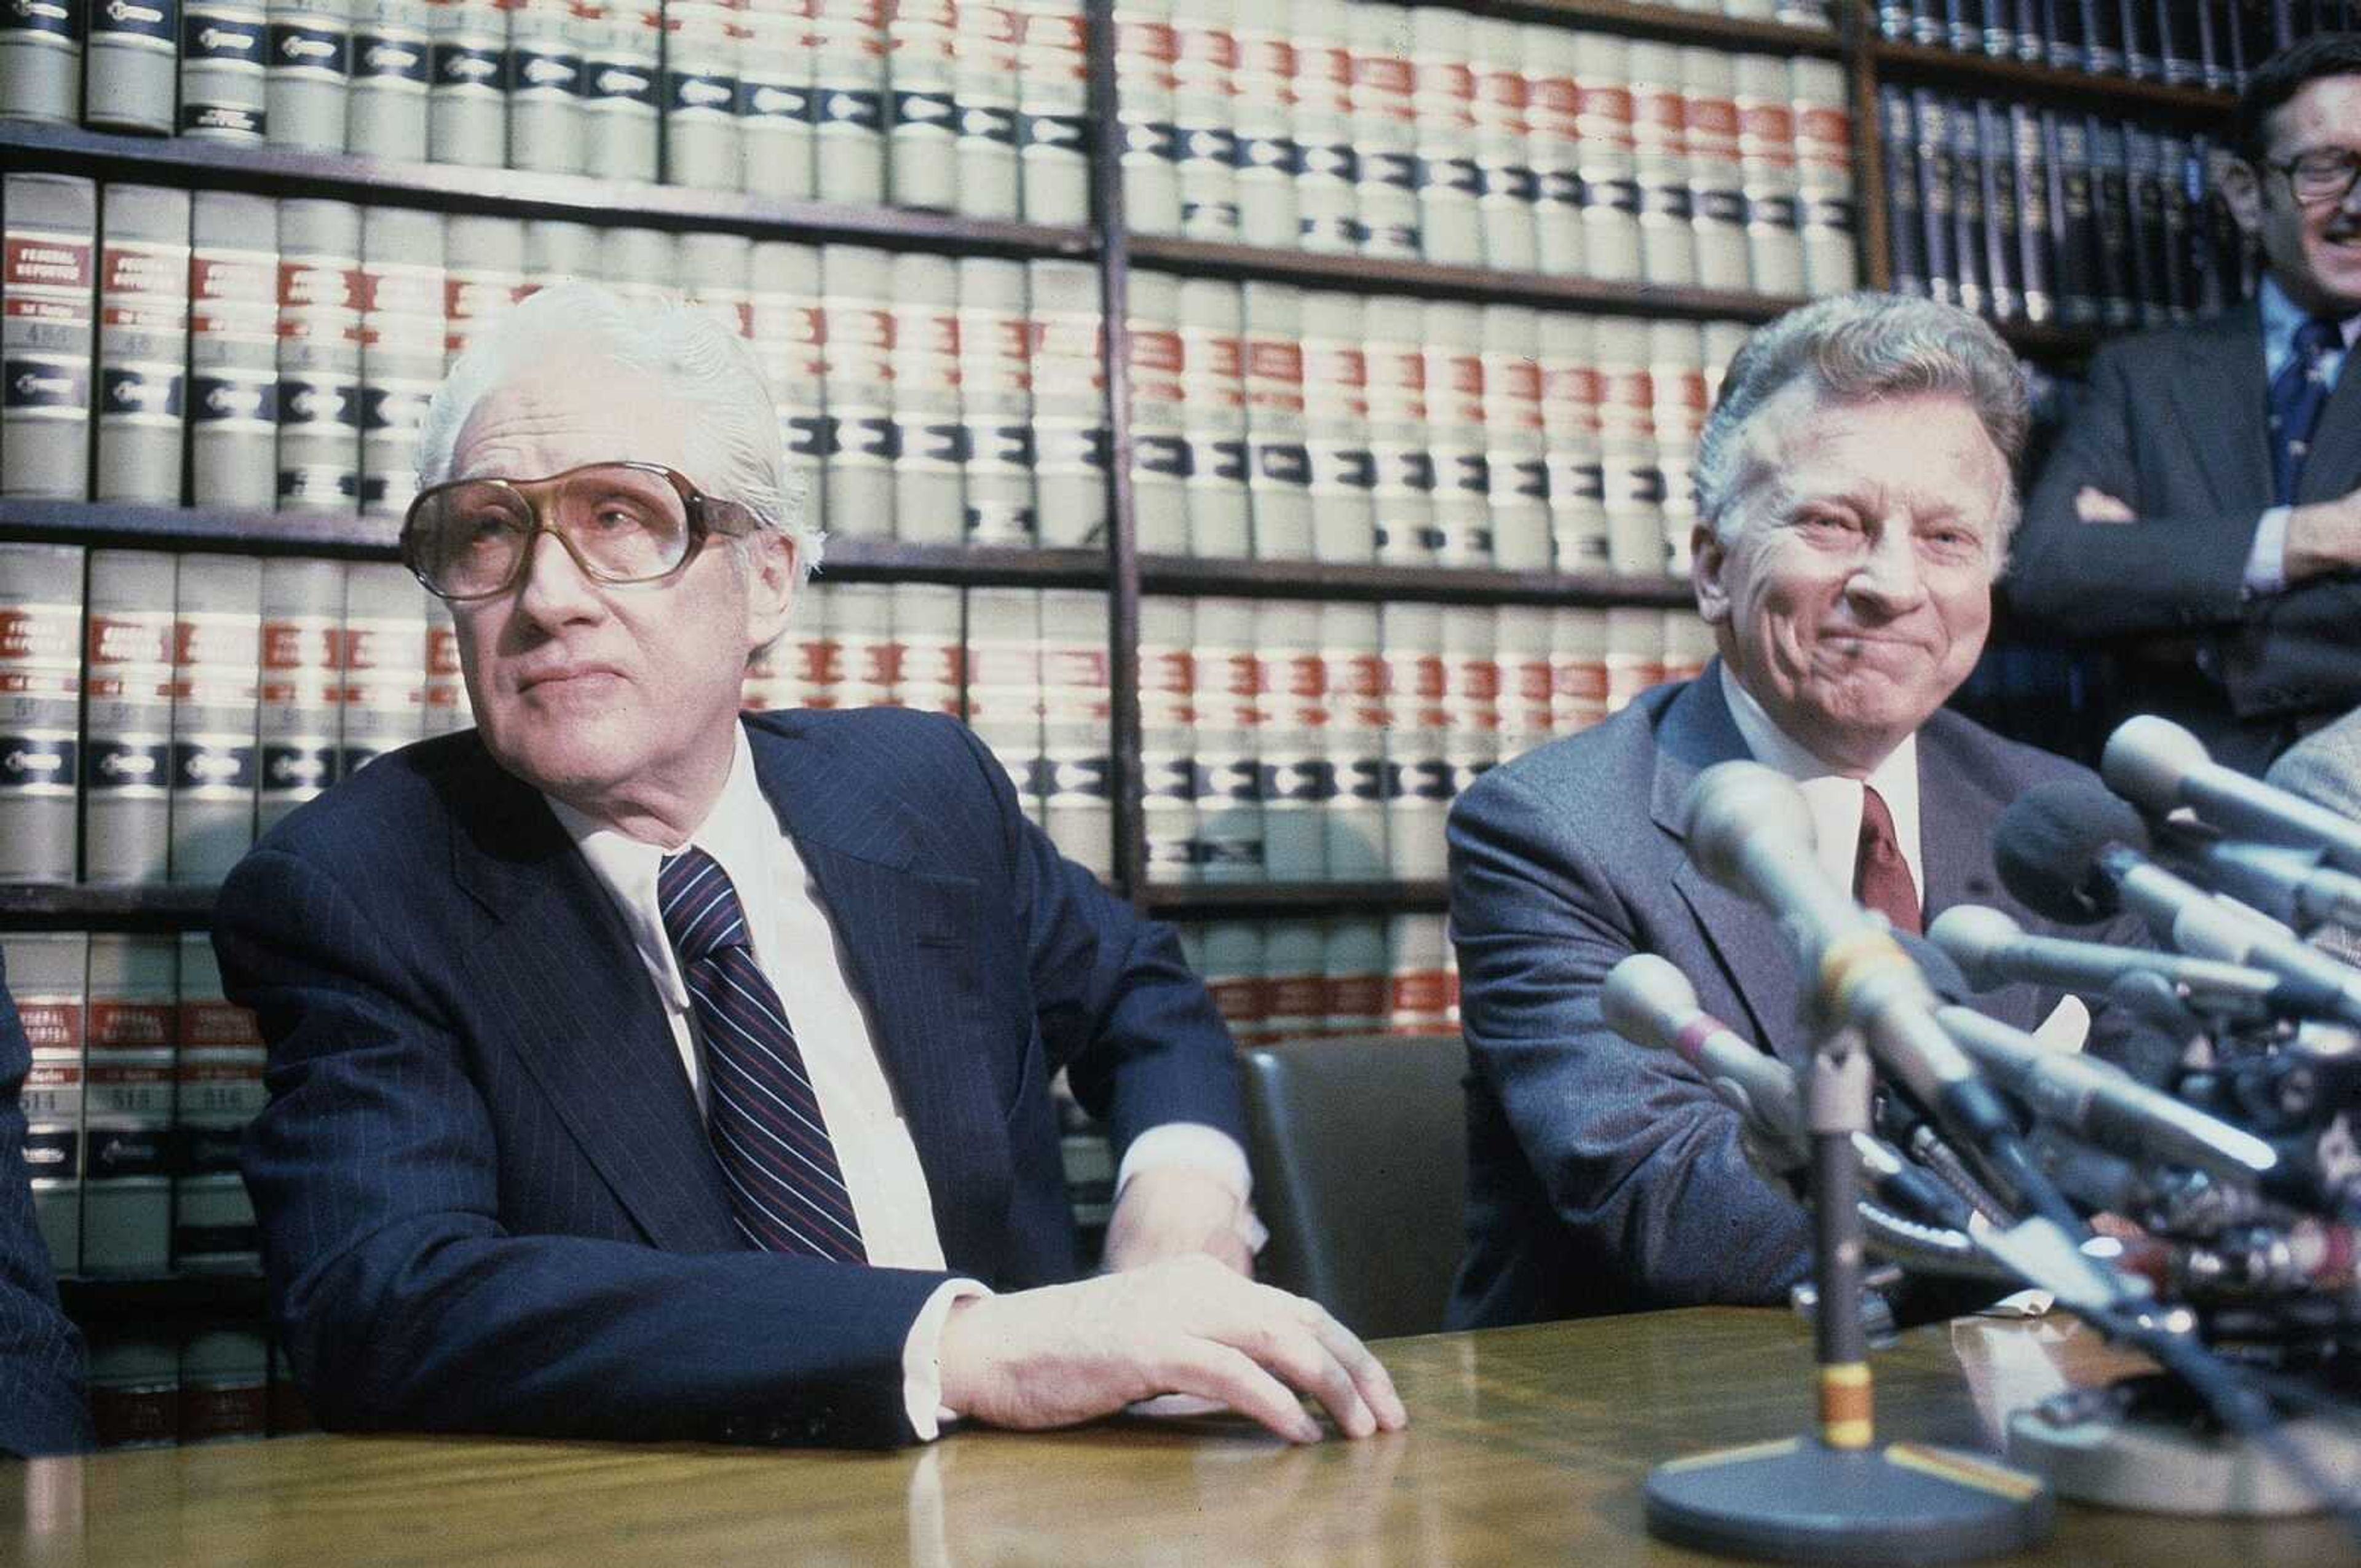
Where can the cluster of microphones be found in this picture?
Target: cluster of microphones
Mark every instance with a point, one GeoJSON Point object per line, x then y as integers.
{"type": "Point", "coordinates": [2225, 1133]}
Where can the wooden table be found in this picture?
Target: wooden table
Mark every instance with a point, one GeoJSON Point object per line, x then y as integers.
{"type": "Point", "coordinates": [1526, 1445]}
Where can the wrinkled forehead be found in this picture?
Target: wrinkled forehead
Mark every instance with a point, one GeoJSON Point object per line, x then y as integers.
{"type": "Point", "coordinates": [562, 414]}
{"type": "Point", "coordinates": [1802, 438]}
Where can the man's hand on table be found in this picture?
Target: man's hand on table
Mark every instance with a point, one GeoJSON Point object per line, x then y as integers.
{"type": "Point", "coordinates": [1065, 1354]}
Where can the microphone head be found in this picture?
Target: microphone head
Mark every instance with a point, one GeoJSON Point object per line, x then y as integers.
{"type": "Point", "coordinates": [1735, 805]}
{"type": "Point", "coordinates": [2046, 847]}
{"type": "Point", "coordinates": [2148, 759]}
{"type": "Point", "coordinates": [1970, 935]}
{"type": "Point", "coordinates": [1941, 975]}
{"type": "Point", "coordinates": [1641, 993]}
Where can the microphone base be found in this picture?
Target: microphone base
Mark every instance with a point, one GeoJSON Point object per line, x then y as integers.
{"type": "Point", "coordinates": [2141, 1445]}
{"type": "Point", "coordinates": [1799, 1500]}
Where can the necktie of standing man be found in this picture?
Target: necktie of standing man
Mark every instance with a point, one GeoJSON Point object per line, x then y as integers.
{"type": "Point", "coordinates": [763, 1118]}
{"type": "Point", "coordinates": [2298, 394]}
{"type": "Point", "coordinates": [1881, 877]}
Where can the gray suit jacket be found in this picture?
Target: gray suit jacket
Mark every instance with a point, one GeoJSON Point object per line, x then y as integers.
{"type": "Point", "coordinates": [1604, 1176]}
{"type": "Point", "coordinates": [2174, 427]}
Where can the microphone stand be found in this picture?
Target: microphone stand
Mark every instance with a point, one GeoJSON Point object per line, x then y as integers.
{"type": "Point", "coordinates": [1834, 1493]}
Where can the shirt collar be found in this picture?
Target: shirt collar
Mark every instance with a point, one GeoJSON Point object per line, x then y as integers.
{"type": "Point", "coordinates": [1833, 799]}
{"type": "Point", "coordinates": [2282, 317]}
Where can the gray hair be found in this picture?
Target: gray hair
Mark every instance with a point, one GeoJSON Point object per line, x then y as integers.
{"type": "Point", "coordinates": [694, 360]}
{"type": "Point", "coordinates": [1859, 349]}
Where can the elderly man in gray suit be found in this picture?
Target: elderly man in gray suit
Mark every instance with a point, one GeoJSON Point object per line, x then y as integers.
{"type": "Point", "coordinates": [1855, 503]}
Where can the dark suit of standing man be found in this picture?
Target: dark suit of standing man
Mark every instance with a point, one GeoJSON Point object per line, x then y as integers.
{"type": "Point", "coordinates": [537, 1159]}
{"type": "Point", "coordinates": [41, 1408]}
{"type": "Point", "coordinates": [1853, 485]}
{"type": "Point", "coordinates": [2159, 524]}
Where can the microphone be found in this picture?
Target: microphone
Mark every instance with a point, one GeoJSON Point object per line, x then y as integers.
{"type": "Point", "coordinates": [1993, 951]}
{"type": "Point", "coordinates": [2104, 1105]}
{"type": "Point", "coordinates": [1748, 829]}
{"type": "Point", "coordinates": [2072, 851]}
{"type": "Point", "coordinates": [2159, 765]}
{"type": "Point", "coordinates": [2284, 881]}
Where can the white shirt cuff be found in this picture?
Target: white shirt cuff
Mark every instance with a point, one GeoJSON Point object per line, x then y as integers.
{"type": "Point", "coordinates": [922, 1358]}
{"type": "Point", "coordinates": [2267, 560]}
{"type": "Point", "coordinates": [1200, 1147]}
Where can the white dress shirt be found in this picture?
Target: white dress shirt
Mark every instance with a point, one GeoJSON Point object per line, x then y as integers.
{"type": "Point", "coordinates": [1833, 799]}
{"type": "Point", "coordinates": [795, 943]}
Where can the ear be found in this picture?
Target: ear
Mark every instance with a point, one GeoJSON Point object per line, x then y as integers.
{"type": "Point", "coordinates": [1706, 559]}
{"type": "Point", "coordinates": [2242, 190]}
{"type": "Point", "coordinates": [774, 574]}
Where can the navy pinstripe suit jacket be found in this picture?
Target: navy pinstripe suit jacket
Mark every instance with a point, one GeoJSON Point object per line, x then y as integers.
{"type": "Point", "coordinates": [41, 1408]}
{"type": "Point", "coordinates": [487, 1199]}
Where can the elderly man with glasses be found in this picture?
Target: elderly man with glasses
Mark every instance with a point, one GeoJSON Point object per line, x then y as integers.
{"type": "Point", "coordinates": [2201, 515]}
{"type": "Point", "coordinates": [643, 1069]}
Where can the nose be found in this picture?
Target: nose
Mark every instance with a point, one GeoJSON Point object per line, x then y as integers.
{"type": "Point", "coordinates": [552, 588]}
{"type": "Point", "coordinates": [1887, 578]}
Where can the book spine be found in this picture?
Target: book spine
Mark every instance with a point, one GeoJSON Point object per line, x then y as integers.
{"type": "Point", "coordinates": [1353, 975]}
{"type": "Point", "coordinates": [1570, 425]}
{"type": "Point", "coordinates": [858, 336]}
{"type": "Point", "coordinates": [41, 61]}
{"type": "Point", "coordinates": [1577, 668]}
{"type": "Point", "coordinates": [2104, 51]}
{"type": "Point", "coordinates": [393, 68]}
{"type": "Point", "coordinates": [994, 399]}
{"type": "Point", "coordinates": [922, 112]}
{"type": "Point", "coordinates": [402, 288]}
{"type": "Point", "coordinates": [127, 1079]}
{"type": "Point", "coordinates": [621, 109]}
{"type": "Point", "coordinates": [1418, 764]}
{"type": "Point", "coordinates": [319, 356]}
{"type": "Point", "coordinates": [384, 705]}
{"type": "Point", "coordinates": [931, 446]}
{"type": "Point", "coordinates": [1204, 62]}
{"type": "Point", "coordinates": [1327, 170]}
{"type": "Point", "coordinates": [133, 61]}
{"type": "Point", "coordinates": [302, 683]}
{"type": "Point", "coordinates": [1677, 405]}
{"type": "Point", "coordinates": [1937, 191]}
{"type": "Point", "coordinates": [234, 351]}
{"type": "Point", "coordinates": [483, 276]}
{"type": "Point", "coordinates": [1168, 766]}
{"type": "Point", "coordinates": [1077, 784]}
{"type": "Point", "coordinates": [1263, 99]}
{"type": "Point", "coordinates": [224, 1385]}
{"type": "Point", "coordinates": [1510, 189]}
{"type": "Point", "coordinates": [467, 99]}
{"type": "Point", "coordinates": [774, 99]}
{"type": "Point", "coordinates": [1635, 656]}
{"type": "Point", "coordinates": [1353, 839]}
{"type": "Point", "coordinates": [1443, 105]}
{"type": "Point", "coordinates": [217, 657]}
{"type": "Point", "coordinates": [48, 266]}
{"type": "Point", "coordinates": [1668, 252]}
{"type": "Point", "coordinates": [128, 717]}
{"type": "Point", "coordinates": [1769, 183]}
{"type": "Point", "coordinates": [546, 81]}
{"type": "Point", "coordinates": [46, 972]}
{"type": "Point", "coordinates": [1404, 493]}
{"type": "Point", "coordinates": [1297, 779]}
{"type": "Point", "coordinates": [1553, 147]}
{"type": "Point", "coordinates": [135, 1388]}
{"type": "Point", "coordinates": [1609, 157]}
{"type": "Point", "coordinates": [1162, 456]}
{"type": "Point", "coordinates": [143, 342]}
{"type": "Point", "coordinates": [1053, 113]}
{"type": "Point", "coordinates": [1717, 216]}
{"type": "Point", "coordinates": [2110, 203]}
{"type": "Point", "coordinates": [219, 1091]}
{"type": "Point", "coordinates": [1627, 443]}
{"type": "Point", "coordinates": [40, 699]}
{"type": "Point", "coordinates": [2175, 223]}
{"type": "Point", "coordinates": [1279, 475]}
{"type": "Point", "coordinates": [1384, 135]}
{"type": "Point", "coordinates": [985, 59]}
{"type": "Point", "coordinates": [1230, 732]}
{"type": "Point", "coordinates": [790, 331]}
{"type": "Point", "coordinates": [1823, 174]}
{"type": "Point", "coordinates": [927, 668]}
{"type": "Point", "coordinates": [1336, 429]}
{"type": "Point", "coordinates": [1516, 459]}
{"type": "Point", "coordinates": [701, 145]}
{"type": "Point", "coordinates": [307, 76]}
{"type": "Point", "coordinates": [1968, 207]}
{"type": "Point", "coordinates": [2004, 249]}
{"type": "Point", "coordinates": [1524, 665]}
{"type": "Point", "coordinates": [1145, 48]}
{"type": "Point", "coordinates": [1213, 409]}
{"type": "Point", "coordinates": [1069, 430]}
{"type": "Point", "coordinates": [640, 264]}
{"type": "Point", "coordinates": [1291, 980]}
{"type": "Point", "coordinates": [2035, 216]}
{"type": "Point", "coordinates": [1471, 692]}
{"type": "Point", "coordinates": [225, 45]}
{"type": "Point", "coordinates": [1231, 965]}
{"type": "Point", "coordinates": [860, 626]}
{"type": "Point", "coordinates": [1004, 685]}
{"type": "Point", "coordinates": [448, 706]}
{"type": "Point", "coordinates": [2139, 23]}
{"type": "Point", "coordinates": [1906, 230]}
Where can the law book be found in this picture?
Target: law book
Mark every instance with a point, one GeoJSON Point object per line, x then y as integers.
{"type": "Point", "coordinates": [848, 99]}
{"type": "Point", "coordinates": [1999, 38]}
{"type": "Point", "coordinates": [2178, 215]}
{"type": "Point", "coordinates": [2073, 224]}
{"type": "Point", "coordinates": [130, 1031]}
{"type": "Point", "coordinates": [2062, 35]}
{"type": "Point", "coordinates": [2030, 33]}
{"type": "Point", "coordinates": [1964, 25]}
{"type": "Point", "coordinates": [1278, 479]}
{"type": "Point", "coordinates": [483, 276]}
{"type": "Point", "coordinates": [803, 669]}
{"type": "Point", "coordinates": [1077, 782]}
{"type": "Point", "coordinates": [1167, 681]}
{"type": "Point", "coordinates": [2151, 280]}
{"type": "Point", "coordinates": [1418, 763]}
{"type": "Point", "coordinates": [1230, 964]}
{"type": "Point", "coordinates": [1353, 975]}
{"type": "Point", "coordinates": [134, 1388]}
{"type": "Point", "coordinates": [127, 724]}
{"type": "Point", "coordinates": [143, 342]}
{"type": "Point", "coordinates": [384, 704]}
{"type": "Point", "coordinates": [1155, 364]}
{"type": "Point", "coordinates": [1262, 103]}
{"type": "Point", "coordinates": [929, 444]}
{"type": "Point", "coordinates": [622, 117]}
{"type": "Point", "coordinates": [48, 265]}
{"type": "Point", "coordinates": [775, 100]}
{"type": "Point", "coordinates": [1327, 164]}
{"type": "Point", "coordinates": [2003, 248]}
{"type": "Point", "coordinates": [2112, 221]}
{"type": "Point", "coordinates": [1552, 147]}
{"type": "Point", "coordinates": [993, 402]}
{"type": "Point", "coordinates": [1571, 432]}
{"type": "Point", "coordinates": [393, 71]}
{"type": "Point", "coordinates": [217, 661]}
{"type": "Point", "coordinates": [1004, 685]}
{"type": "Point", "coordinates": [467, 98]}
{"type": "Point", "coordinates": [642, 264]}
{"type": "Point", "coordinates": [1609, 158]}
{"type": "Point", "coordinates": [921, 110]}
{"type": "Point", "coordinates": [1071, 441]}
{"type": "Point", "coordinates": [1635, 658]}
{"type": "Point", "coordinates": [2139, 24]}
{"type": "Point", "coordinates": [1632, 480]}
{"type": "Point", "coordinates": [1516, 455]}
{"type": "Point", "coordinates": [41, 62]}
{"type": "Point", "coordinates": [1213, 414]}
{"type": "Point", "coordinates": [1906, 230]}
{"type": "Point", "coordinates": [929, 668]}
{"type": "Point", "coordinates": [1353, 665]}
{"type": "Point", "coordinates": [545, 84]}
{"type": "Point", "coordinates": [789, 320]}
{"type": "Point", "coordinates": [1577, 668]}
{"type": "Point", "coordinates": [2030, 170]}
{"type": "Point", "coordinates": [1053, 113]}
{"type": "Point", "coordinates": [859, 334]}
{"type": "Point", "coordinates": [447, 705]}
{"type": "Point", "coordinates": [133, 62]}
{"type": "Point", "coordinates": [701, 143]}
{"type": "Point", "coordinates": [41, 697]}
{"type": "Point", "coordinates": [1297, 772]}
{"type": "Point", "coordinates": [1709, 126]}
{"type": "Point", "coordinates": [233, 350]}
{"type": "Point", "coordinates": [1399, 449]}
{"type": "Point", "coordinates": [46, 972]}
{"type": "Point", "coordinates": [1336, 428]}
{"type": "Point", "coordinates": [1422, 997]}
{"type": "Point", "coordinates": [1205, 61]}
{"type": "Point", "coordinates": [1443, 104]}
{"type": "Point", "coordinates": [1231, 726]}
{"type": "Point", "coordinates": [985, 57]}
{"type": "Point", "coordinates": [1523, 645]}
{"type": "Point", "coordinates": [1688, 645]}
{"type": "Point", "coordinates": [2105, 51]}
{"type": "Point", "coordinates": [1924, 27]}
{"type": "Point", "coordinates": [402, 300]}
{"type": "Point", "coordinates": [1384, 134]}
{"type": "Point", "coordinates": [2185, 43]}
{"type": "Point", "coordinates": [1722, 342]}
{"type": "Point", "coordinates": [1967, 206]}
{"type": "Point", "coordinates": [1769, 183]}
{"type": "Point", "coordinates": [298, 725]}
{"type": "Point", "coordinates": [1667, 201]}
{"type": "Point", "coordinates": [1291, 980]}
{"type": "Point", "coordinates": [225, 1386]}
{"type": "Point", "coordinates": [319, 356]}
{"type": "Point", "coordinates": [861, 627]}
{"type": "Point", "coordinates": [307, 76]}
{"type": "Point", "coordinates": [1471, 689]}
{"type": "Point", "coordinates": [1824, 175]}
{"type": "Point", "coordinates": [1676, 409]}
{"type": "Point", "coordinates": [224, 48]}
{"type": "Point", "coordinates": [1930, 118]}
{"type": "Point", "coordinates": [219, 1090]}
{"type": "Point", "coordinates": [1144, 51]}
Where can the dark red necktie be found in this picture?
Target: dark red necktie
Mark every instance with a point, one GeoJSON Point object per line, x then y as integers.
{"type": "Point", "coordinates": [1881, 877]}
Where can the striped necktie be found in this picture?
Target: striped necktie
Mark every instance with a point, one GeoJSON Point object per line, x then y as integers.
{"type": "Point", "coordinates": [764, 1120]}
{"type": "Point", "coordinates": [2298, 394]}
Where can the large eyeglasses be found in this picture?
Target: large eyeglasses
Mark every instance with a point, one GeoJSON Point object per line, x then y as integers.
{"type": "Point", "coordinates": [622, 522]}
{"type": "Point", "coordinates": [2324, 174]}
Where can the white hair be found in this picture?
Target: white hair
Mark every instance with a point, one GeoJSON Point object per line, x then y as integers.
{"type": "Point", "coordinates": [693, 359]}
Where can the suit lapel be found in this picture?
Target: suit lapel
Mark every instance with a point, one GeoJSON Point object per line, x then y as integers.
{"type": "Point", "coordinates": [588, 1028]}
{"type": "Point", "coordinates": [909, 940]}
{"type": "Point", "coordinates": [2222, 417]}
{"type": "Point", "coordinates": [1696, 733]}
{"type": "Point", "coordinates": [2334, 469]}
{"type": "Point", "coordinates": [1959, 866]}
